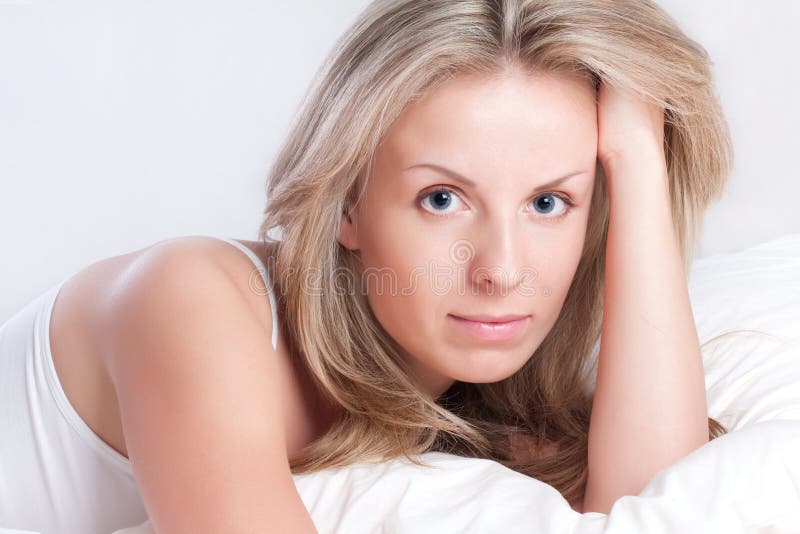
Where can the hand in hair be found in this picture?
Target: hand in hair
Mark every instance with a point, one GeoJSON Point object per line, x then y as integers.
{"type": "Point", "coordinates": [627, 125]}
{"type": "Point", "coordinates": [649, 407]}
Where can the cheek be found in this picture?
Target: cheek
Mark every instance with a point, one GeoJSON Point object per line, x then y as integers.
{"type": "Point", "coordinates": [410, 311]}
{"type": "Point", "coordinates": [394, 238]}
{"type": "Point", "coordinates": [555, 261]}
{"type": "Point", "coordinates": [386, 233]}
{"type": "Point", "coordinates": [397, 266]}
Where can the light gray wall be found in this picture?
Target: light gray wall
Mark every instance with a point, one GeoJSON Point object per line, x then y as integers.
{"type": "Point", "coordinates": [125, 123]}
{"type": "Point", "coordinates": [753, 46]}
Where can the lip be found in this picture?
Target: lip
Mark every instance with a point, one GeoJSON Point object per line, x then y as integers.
{"type": "Point", "coordinates": [489, 328]}
{"type": "Point", "coordinates": [490, 318]}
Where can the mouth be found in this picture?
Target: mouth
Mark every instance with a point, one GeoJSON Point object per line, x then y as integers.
{"type": "Point", "coordinates": [491, 328]}
{"type": "Point", "coordinates": [491, 318]}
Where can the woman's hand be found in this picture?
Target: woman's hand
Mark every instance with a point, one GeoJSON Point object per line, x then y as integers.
{"type": "Point", "coordinates": [628, 127]}
{"type": "Point", "coordinates": [649, 407]}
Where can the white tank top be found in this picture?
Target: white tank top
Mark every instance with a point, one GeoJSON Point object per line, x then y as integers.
{"type": "Point", "coordinates": [56, 475]}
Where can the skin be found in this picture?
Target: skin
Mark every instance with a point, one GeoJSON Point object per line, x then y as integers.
{"type": "Point", "coordinates": [517, 249]}
{"type": "Point", "coordinates": [650, 407]}
{"type": "Point", "coordinates": [509, 135]}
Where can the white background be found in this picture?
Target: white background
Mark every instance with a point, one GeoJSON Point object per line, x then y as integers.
{"type": "Point", "coordinates": [125, 123]}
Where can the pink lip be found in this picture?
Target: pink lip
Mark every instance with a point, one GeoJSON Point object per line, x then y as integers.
{"type": "Point", "coordinates": [496, 329]}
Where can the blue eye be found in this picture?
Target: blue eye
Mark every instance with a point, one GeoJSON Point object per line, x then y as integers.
{"type": "Point", "coordinates": [547, 203]}
{"type": "Point", "coordinates": [437, 202]}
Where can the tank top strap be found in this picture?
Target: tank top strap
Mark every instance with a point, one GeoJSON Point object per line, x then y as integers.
{"type": "Point", "coordinates": [265, 277]}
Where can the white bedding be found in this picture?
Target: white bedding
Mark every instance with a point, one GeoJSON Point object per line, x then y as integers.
{"type": "Point", "coordinates": [745, 481]}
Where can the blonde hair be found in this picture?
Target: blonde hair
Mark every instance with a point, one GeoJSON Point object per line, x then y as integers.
{"type": "Point", "coordinates": [398, 51]}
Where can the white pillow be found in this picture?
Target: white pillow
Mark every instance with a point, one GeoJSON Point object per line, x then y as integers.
{"type": "Point", "coordinates": [745, 481]}
{"type": "Point", "coordinates": [750, 377]}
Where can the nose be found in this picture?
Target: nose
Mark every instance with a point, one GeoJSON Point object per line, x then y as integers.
{"type": "Point", "coordinates": [497, 264]}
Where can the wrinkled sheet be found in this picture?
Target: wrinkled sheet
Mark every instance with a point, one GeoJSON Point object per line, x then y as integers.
{"type": "Point", "coordinates": [745, 481]}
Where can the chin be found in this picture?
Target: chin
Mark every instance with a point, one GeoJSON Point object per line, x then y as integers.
{"type": "Point", "coordinates": [496, 373]}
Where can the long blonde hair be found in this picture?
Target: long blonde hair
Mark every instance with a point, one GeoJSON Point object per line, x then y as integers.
{"type": "Point", "coordinates": [398, 51]}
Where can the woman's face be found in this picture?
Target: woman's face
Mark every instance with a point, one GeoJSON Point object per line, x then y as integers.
{"type": "Point", "coordinates": [458, 220]}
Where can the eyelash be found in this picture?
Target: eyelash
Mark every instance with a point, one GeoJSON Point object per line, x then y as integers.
{"type": "Point", "coordinates": [437, 189]}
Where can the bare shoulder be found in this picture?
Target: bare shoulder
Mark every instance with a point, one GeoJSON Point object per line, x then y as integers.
{"type": "Point", "coordinates": [168, 266]}
{"type": "Point", "coordinates": [175, 278]}
{"type": "Point", "coordinates": [233, 264]}
{"type": "Point", "coordinates": [191, 289]}
{"type": "Point", "coordinates": [161, 271]}
{"type": "Point", "coordinates": [199, 384]}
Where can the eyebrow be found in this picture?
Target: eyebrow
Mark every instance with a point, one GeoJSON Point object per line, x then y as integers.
{"type": "Point", "coordinates": [460, 178]}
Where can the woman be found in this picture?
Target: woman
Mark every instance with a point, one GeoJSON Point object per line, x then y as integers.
{"type": "Point", "coordinates": [465, 186]}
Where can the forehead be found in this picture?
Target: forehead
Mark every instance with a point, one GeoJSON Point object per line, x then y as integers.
{"type": "Point", "coordinates": [541, 118]}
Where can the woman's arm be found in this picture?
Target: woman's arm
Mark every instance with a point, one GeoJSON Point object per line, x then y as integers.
{"type": "Point", "coordinates": [200, 395]}
{"type": "Point", "coordinates": [650, 400]}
